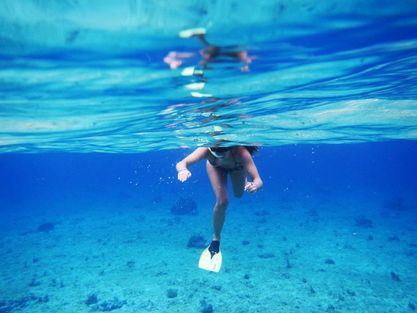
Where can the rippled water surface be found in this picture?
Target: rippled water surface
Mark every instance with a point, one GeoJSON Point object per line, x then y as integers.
{"type": "Point", "coordinates": [84, 76]}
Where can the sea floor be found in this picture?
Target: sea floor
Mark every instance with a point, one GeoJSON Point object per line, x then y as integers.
{"type": "Point", "coordinates": [279, 255]}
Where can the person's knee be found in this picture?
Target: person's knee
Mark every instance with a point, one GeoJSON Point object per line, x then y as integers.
{"type": "Point", "coordinates": [238, 190]}
{"type": "Point", "coordinates": [222, 203]}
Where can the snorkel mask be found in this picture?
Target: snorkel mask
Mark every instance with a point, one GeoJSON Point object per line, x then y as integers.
{"type": "Point", "coordinates": [219, 152]}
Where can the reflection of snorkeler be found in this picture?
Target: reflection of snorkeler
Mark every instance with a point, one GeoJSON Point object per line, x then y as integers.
{"type": "Point", "coordinates": [209, 53]}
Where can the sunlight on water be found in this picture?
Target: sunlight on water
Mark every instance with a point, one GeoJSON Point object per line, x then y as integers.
{"type": "Point", "coordinates": [83, 81]}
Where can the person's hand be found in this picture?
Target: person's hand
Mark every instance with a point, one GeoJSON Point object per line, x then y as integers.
{"type": "Point", "coordinates": [183, 175]}
{"type": "Point", "coordinates": [252, 187]}
{"type": "Point", "coordinates": [244, 68]}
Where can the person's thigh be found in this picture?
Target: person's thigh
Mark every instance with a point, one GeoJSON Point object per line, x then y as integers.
{"type": "Point", "coordinates": [218, 181]}
{"type": "Point", "coordinates": [238, 182]}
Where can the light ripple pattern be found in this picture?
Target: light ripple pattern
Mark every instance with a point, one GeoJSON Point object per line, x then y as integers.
{"type": "Point", "coordinates": [94, 81]}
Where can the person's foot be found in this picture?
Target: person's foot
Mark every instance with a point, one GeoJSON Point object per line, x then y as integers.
{"type": "Point", "coordinates": [214, 247]}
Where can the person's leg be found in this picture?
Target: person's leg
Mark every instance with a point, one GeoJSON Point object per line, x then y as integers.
{"type": "Point", "coordinates": [209, 53]}
{"type": "Point", "coordinates": [218, 180]}
{"type": "Point", "coordinates": [238, 182]}
{"type": "Point", "coordinates": [203, 40]}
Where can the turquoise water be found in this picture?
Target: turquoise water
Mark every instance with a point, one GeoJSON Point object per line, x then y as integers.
{"type": "Point", "coordinates": [88, 77]}
{"type": "Point", "coordinates": [95, 112]}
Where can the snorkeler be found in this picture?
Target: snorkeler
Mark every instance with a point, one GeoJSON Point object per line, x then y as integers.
{"type": "Point", "coordinates": [222, 162]}
{"type": "Point", "coordinates": [209, 53]}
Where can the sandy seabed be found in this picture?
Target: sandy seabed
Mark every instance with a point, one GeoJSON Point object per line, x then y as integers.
{"type": "Point", "coordinates": [278, 256]}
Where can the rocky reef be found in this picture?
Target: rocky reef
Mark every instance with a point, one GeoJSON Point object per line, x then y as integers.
{"type": "Point", "coordinates": [21, 303]}
{"type": "Point", "coordinates": [196, 241]}
{"type": "Point", "coordinates": [104, 306]}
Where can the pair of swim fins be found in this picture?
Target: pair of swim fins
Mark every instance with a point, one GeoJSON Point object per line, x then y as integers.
{"type": "Point", "coordinates": [210, 261]}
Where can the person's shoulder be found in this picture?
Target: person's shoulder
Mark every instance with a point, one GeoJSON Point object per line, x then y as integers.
{"type": "Point", "coordinates": [202, 150]}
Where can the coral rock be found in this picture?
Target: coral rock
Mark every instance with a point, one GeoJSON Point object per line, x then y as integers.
{"type": "Point", "coordinates": [46, 227]}
{"type": "Point", "coordinates": [196, 241]}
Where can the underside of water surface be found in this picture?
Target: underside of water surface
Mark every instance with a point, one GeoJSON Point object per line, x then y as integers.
{"type": "Point", "coordinates": [94, 76]}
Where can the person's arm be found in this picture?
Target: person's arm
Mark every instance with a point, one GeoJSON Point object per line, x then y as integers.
{"type": "Point", "coordinates": [252, 170]}
{"type": "Point", "coordinates": [203, 40]}
{"type": "Point", "coordinates": [182, 166]}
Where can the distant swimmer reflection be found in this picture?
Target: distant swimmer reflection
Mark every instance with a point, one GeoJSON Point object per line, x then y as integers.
{"type": "Point", "coordinates": [222, 162]}
{"type": "Point", "coordinates": [209, 53]}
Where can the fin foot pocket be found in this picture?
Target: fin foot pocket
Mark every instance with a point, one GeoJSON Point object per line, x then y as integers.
{"type": "Point", "coordinates": [210, 261]}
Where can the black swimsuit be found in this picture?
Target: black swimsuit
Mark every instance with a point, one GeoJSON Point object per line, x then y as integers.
{"type": "Point", "coordinates": [213, 160]}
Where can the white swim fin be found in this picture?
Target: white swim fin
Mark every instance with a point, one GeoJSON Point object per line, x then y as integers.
{"type": "Point", "coordinates": [187, 33]}
{"type": "Point", "coordinates": [192, 71]}
{"type": "Point", "coordinates": [210, 262]}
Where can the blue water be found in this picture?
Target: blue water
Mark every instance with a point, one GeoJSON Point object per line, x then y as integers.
{"type": "Point", "coordinates": [93, 121]}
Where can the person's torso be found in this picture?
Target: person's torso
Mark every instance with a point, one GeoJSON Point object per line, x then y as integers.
{"type": "Point", "coordinates": [230, 160]}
